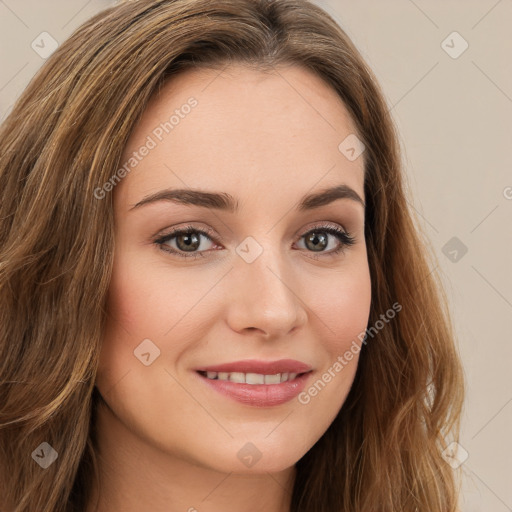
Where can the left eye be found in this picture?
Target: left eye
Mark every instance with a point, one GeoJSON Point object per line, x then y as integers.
{"type": "Point", "coordinates": [188, 240]}
{"type": "Point", "coordinates": [318, 236]}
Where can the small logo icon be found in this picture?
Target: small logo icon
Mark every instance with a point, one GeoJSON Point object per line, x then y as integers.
{"type": "Point", "coordinates": [44, 45]}
{"type": "Point", "coordinates": [147, 352]}
{"type": "Point", "coordinates": [44, 455]}
{"type": "Point", "coordinates": [352, 147]}
{"type": "Point", "coordinates": [454, 249]}
{"type": "Point", "coordinates": [455, 454]}
{"type": "Point", "coordinates": [249, 249]}
{"type": "Point", "coordinates": [454, 45]}
{"type": "Point", "coordinates": [249, 455]}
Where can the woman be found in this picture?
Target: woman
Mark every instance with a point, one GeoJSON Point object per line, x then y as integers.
{"type": "Point", "coordinates": [213, 293]}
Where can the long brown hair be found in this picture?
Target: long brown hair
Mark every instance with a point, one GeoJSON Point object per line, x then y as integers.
{"type": "Point", "coordinates": [64, 139]}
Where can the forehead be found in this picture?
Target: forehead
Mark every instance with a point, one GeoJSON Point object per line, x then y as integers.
{"type": "Point", "coordinates": [243, 131]}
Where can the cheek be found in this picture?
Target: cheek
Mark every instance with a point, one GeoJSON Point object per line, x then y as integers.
{"type": "Point", "coordinates": [135, 313]}
{"type": "Point", "coordinates": [146, 301]}
{"type": "Point", "coordinates": [342, 306]}
{"type": "Point", "coordinates": [342, 309]}
{"type": "Point", "coordinates": [149, 297]}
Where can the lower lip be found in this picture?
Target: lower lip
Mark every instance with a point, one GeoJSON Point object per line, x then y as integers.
{"type": "Point", "coordinates": [259, 395]}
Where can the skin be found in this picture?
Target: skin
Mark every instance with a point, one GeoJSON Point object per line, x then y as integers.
{"type": "Point", "coordinates": [167, 441]}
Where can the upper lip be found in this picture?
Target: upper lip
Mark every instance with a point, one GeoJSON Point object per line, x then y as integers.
{"type": "Point", "coordinates": [261, 367]}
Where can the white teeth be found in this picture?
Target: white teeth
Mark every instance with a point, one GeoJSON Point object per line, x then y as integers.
{"type": "Point", "coordinates": [254, 378]}
{"type": "Point", "coordinates": [251, 378]}
{"type": "Point", "coordinates": [237, 377]}
{"type": "Point", "coordinates": [272, 379]}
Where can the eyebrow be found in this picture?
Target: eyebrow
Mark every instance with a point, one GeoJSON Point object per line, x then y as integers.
{"type": "Point", "coordinates": [226, 202]}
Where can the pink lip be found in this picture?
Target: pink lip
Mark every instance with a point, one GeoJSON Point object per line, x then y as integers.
{"type": "Point", "coordinates": [262, 367]}
{"type": "Point", "coordinates": [259, 395]}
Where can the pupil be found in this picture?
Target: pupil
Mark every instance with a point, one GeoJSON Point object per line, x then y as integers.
{"type": "Point", "coordinates": [191, 241]}
{"type": "Point", "coordinates": [315, 238]}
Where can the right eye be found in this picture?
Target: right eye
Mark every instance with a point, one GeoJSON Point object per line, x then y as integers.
{"type": "Point", "coordinates": [187, 241]}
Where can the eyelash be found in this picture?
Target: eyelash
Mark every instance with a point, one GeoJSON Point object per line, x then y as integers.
{"type": "Point", "coordinates": [346, 240]}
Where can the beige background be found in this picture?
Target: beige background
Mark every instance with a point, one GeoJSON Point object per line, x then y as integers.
{"type": "Point", "coordinates": [455, 119]}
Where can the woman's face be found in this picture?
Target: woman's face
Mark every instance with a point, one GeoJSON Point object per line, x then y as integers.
{"type": "Point", "coordinates": [257, 278]}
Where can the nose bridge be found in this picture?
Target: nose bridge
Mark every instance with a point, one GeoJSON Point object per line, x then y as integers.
{"type": "Point", "coordinates": [264, 295]}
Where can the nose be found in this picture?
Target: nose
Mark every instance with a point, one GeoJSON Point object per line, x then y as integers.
{"type": "Point", "coordinates": [263, 296]}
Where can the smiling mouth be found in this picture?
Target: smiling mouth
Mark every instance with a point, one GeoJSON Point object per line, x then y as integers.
{"type": "Point", "coordinates": [251, 378]}
{"type": "Point", "coordinates": [266, 389]}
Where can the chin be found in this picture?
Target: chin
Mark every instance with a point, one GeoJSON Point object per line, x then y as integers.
{"type": "Point", "coordinates": [258, 457]}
